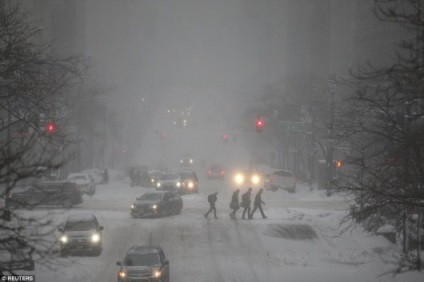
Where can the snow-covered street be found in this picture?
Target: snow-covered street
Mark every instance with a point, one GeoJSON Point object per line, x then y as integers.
{"type": "Point", "coordinates": [299, 241]}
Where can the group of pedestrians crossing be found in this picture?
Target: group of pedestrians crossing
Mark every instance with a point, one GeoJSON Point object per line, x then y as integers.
{"type": "Point", "coordinates": [235, 204]}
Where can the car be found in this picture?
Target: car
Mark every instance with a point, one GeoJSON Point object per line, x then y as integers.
{"type": "Point", "coordinates": [84, 181]}
{"type": "Point", "coordinates": [247, 177]}
{"type": "Point", "coordinates": [53, 193]}
{"type": "Point", "coordinates": [186, 160]}
{"type": "Point", "coordinates": [96, 174]}
{"type": "Point", "coordinates": [216, 172]}
{"type": "Point", "coordinates": [157, 203]}
{"type": "Point", "coordinates": [154, 177]}
{"type": "Point", "coordinates": [169, 181]}
{"type": "Point", "coordinates": [81, 233]}
{"type": "Point", "coordinates": [282, 179]}
{"type": "Point", "coordinates": [15, 254]}
{"type": "Point", "coordinates": [189, 182]}
{"type": "Point", "coordinates": [144, 263]}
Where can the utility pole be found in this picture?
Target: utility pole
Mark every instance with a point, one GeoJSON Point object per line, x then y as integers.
{"type": "Point", "coordinates": [330, 140]}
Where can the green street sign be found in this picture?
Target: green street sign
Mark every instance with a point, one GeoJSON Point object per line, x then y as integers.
{"type": "Point", "coordinates": [293, 126]}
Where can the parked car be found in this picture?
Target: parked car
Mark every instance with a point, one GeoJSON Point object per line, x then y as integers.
{"type": "Point", "coordinates": [144, 263]}
{"type": "Point", "coordinates": [96, 175]}
{"type": "Point", "coordinates": [54, 193]}
{"type": "Point", "coordinates": [189, 182]}
{"type": "Point", "coordinates": [283, 179]}
{"type": "Point", "coordinates": [15, 254]}
{"type": "Point", "coordinates": [81, 233]}
{"type": "Point", "coordinates": [169, 181]}
{"type": "Point", "coordinates": [158, 203]}
{"type": "Point", "coordinates": [216, 172]}
{"type": "Point", "coordinates": [84, 182]}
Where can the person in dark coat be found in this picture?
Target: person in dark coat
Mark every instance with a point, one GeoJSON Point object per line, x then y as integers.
{"type": "Point", "coordinates": [234, 205]}
{"type": "Point", "coordinates": [245, 202]}
{"type": "Point", "coordinates": [212, 198]}
{"type": "Point", "coordinates": [257, 204]}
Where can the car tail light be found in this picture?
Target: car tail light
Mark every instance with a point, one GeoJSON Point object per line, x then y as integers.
{"type": "Point", "coordinates": [209, 172]}
{"type": "Point", "coordinates": [222, 172]}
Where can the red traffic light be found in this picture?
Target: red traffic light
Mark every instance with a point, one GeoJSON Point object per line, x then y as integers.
{"type": "Point", "coordinates": [224, 136]}
{"type": "Point", "coordinates": [51, 128]}
{"type": "Point", "coordinates": [259, 125]}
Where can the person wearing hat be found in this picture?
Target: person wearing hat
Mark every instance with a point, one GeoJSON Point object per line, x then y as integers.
{"type": "Point", "coordinates": [212, 198]}
{"type": "Point", "coordinates": [257, 204]}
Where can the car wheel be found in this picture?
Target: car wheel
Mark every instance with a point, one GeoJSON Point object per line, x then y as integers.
{"type": "Point", "coordinates": [67, 204]}
{"type": "Point", "coordinates": [97, 252]}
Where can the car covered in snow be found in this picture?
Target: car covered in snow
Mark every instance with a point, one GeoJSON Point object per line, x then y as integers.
{"type": "Point", "coordinates": [157, 203]}
{"type": "Point", "coordinates": [81, 233]}
{"type": "Point", "coordinates": [282, 179]}
{"type": "Point", "coordinates": [51, 193]}
{"type": "Point", "coordinates": [84, 182]}
{"type": "Point", "coordinates": [144, 263]}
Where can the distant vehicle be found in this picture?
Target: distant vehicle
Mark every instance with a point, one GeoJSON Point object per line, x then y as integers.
{"type": "Point", "coordinates": [169, 181]}
{"type": "Point", "coordinates": [250, 178]}
{"type": "Point", "coordinates": [82, 233]}
{"type": "Point", "coordinates": [154, 177]}
{"type": "Point", "coordinates": [283, 179]}
{"type": "Point", "coordinates": [95, 174]}
{"type": "Point", "coordinates": [189, 182]}
{"type": "Point", "coordinates": [15, 254]}
{"type": "Point", "coordinates": [159, 203]}
{"type": "Point", "coordinates": [54, 193]}
{"type": "Point", "coordinates": [186, 160]}
{"type": "Point", "coordinates": [142, 263]}
{"type": "Point", "coordinates": [84, 182]}
{"type": "Point", "coordinates": [216, 172]}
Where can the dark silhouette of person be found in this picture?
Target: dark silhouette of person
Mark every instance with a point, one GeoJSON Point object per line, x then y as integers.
{"type": "Point", "coordinates": [234, 205]}
{"type": "Point", "coordinates": [212, 198]}
{"type": "Point", "coordinates": [245, 201]}
{"type": "Point", "coordinates": [257, 204]}
{"type": "Point", "coordinates": [105, 176]}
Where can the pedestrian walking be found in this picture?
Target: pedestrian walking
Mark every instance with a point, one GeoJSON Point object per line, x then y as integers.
{"type": "Point", "coordinates": [212, 198]}
{"type": "Point", "coordinates": [245, 203]}
{"type": "Point", "coordinates": [257, 204]}
{"type": "Point", "coordinates": [234, 205]}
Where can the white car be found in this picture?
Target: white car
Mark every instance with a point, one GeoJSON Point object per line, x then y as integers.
{"type": "Point", "coordinates": [283, 179]}
{"type": "Point", "coordinates": [96, 175]}
{"type": "Point", "coordinates": [84, 182]}
{"type": "Point", "coordinates": [169, 181]}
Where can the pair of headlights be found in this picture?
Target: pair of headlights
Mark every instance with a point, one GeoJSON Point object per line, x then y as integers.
{"type": "Point", "coordinates": [153, 207]}
{"type": "Point", "coordinates": [156, 273]}
{"type": "Point", "coordinates": [95, 238]}
{"type": "Point", "coordinates": [239, 179]}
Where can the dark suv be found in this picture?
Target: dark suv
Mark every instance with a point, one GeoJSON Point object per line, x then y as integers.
{"type": "Point", "coordinates": [81, 234]}
{"type": "Point", "coordinates": [54, 193]}
{"type": "Point", "coordinates": [142, 263]}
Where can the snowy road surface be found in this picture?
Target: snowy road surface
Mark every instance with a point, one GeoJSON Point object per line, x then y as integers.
{"type": "Point", "coordinates": [298, 241]}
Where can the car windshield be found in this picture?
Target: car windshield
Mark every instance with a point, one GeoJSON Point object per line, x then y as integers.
{"type": "Point", "coordinates": [186, 175]}
{"type": "Point", "coordinates": [169, 177]}
{"type": "Point", "coordinates": [142, 259]}
{"type": "Point", "coordinates": [79, 226]}
{"type": "Point", "coordinates": [151, 196]}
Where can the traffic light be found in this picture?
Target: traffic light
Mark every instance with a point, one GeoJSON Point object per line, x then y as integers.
{"type": "Point", "coordinates": [51, 128]}
{"type": "Point", "coordinates": [224, 137]}
{"type": "Point", "coordinates": [339, 164]}
{"type": "Point", "coordinates": [259, 125]}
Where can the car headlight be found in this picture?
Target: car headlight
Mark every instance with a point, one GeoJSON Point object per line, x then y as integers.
{"type": "Point", "coordinates": [156, 273]}
{"type": "Point", "coordinates": [190, 184]}
{"type": "Point", "coordinates": [191, 161]}
{"type": "Point", "coordinates": [255, 179]}
{"type": "Point", "coordinates": [95, 238]}
{"type": "Point", "coordinates": [158, 184]}
{"type": "Point", "coordinates": [181, 161]}
{"type": "Point", "coordinates": [122, 274]}
{"type": "Point", "coordinates": [152, 180]}
{"type": "Point", "coordinates": [178, 184]}
{"type": "Point", "coordinates": [154, 207]}
{"type": "Point", "coordinates": [239, 178]}
{"type": "Point", "coordinates": [64, 239]}
{"type": "Point", "coordinates": [132, 207]}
